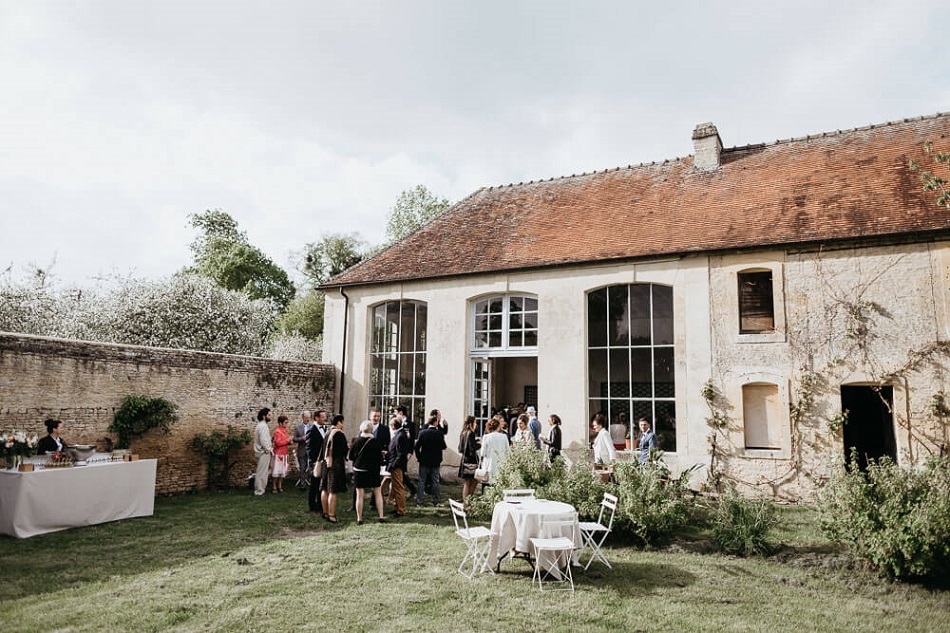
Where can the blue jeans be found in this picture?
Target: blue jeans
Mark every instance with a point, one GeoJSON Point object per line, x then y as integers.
{"type": "Point", "coordinates": [428, 478]}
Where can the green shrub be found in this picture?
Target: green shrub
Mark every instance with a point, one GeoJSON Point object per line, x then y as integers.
{"type": "Point", "coordinates": [651, 503]}
{"type": "Point", "coordinates": [741, 526]}
{"type": "Point", "coordinates": [217, 447]}
{"type": "Point", "coordinates": [138, 414]}
{"type": "Point", "coordinates": [895, 518]}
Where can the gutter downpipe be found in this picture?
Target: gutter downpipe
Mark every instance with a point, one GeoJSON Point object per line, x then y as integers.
{"type": "Point", "coordinates": [346, 319]}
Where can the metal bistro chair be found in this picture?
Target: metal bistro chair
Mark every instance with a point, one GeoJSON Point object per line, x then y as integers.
{"type": "Point", "coordinates": [552, 554]}
{"type": "Point", "coordinates": [518, 494]}
{"type": "Point", "coordinates": [594, 534]}
{"type": "Point", "coordinates": [477, 541]}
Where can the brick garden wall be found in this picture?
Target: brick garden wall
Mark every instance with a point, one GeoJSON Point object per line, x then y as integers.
{"type": "Point", "coordinates": [83, 383]}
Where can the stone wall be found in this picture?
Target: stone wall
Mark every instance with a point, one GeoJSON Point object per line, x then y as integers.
{"type": "Point", "coordinates": [83, 384]}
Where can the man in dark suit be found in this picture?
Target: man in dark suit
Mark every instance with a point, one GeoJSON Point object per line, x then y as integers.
{"type": "Point", "coordinates": [429, 449]}
{"type": "Point", "coordinates": [314, 449]}
{"type": "Point", "coordinates": [380, 431]}
{"type": "Point", "coordinates": [303, 457]}
{"type": "Point", "coordinates": [410, 427]}
{"type": "Point", "coordinates": [397, 459]}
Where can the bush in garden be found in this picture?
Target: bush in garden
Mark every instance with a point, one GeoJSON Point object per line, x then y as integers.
{"type": "Point", "coordinates": [741, 526]}
{"type": "Point", "coordinates": [294, 347]}
{"type": "Point", "coordinates": [651, 503]}
{"type": "Point", "coordinates": [895, 518]}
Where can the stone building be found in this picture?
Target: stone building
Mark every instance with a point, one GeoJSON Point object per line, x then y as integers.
{"type": "Point", "coordinates": [742, 298]}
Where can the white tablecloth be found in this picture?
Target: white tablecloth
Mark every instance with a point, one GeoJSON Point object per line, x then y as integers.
{"type": "Point", "coordinates": [54, 499]}
{"type": "Point", "coordinates": [515, 523]}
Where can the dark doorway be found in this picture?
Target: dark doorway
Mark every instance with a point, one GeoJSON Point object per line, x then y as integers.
{"type": "Point", "coordinates": [870, 425]}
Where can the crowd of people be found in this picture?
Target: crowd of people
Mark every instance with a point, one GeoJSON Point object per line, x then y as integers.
{"type": "Point", "coordinates": [325, 457]}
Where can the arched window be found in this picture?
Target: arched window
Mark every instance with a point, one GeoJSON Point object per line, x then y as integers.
{"type": "Point", "coordinates": [630, 357]}
{"type": "Point", "coordinates": [505, 323]}
{"type": "Point", "coordinates": [397, 357]}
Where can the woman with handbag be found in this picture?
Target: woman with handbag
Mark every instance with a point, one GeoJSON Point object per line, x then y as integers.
{"type": "Point", "coordinates": [367, 457]}
{"type": "Point", "coordinates": [553, 440]}
{"type": "Point", "coordinates": [334, 479]}
{"type": "Point", "coordinates": [468, 449]}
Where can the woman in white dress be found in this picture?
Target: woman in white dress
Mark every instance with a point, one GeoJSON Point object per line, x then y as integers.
{"type": "Point", "coordinates": [604, 452]}
{"type": "Point", "coordinates": [494, 449]}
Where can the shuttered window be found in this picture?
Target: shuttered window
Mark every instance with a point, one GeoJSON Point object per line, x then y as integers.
{"type": "Point", "coordinates": [756, 305]}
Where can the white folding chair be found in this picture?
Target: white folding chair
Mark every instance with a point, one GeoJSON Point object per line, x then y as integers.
{"type": "Point", "coordinates": [594, 534]}
{"type": "Point", "coordinates": [477, 541]}
{"type": "Point", "coordinates": [553, 553]}
{"type": "Point", "coordinates": [518, 494]}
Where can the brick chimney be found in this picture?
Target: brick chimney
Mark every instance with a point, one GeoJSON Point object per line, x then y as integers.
{"type": "Point", "coordinates": [707, 146]}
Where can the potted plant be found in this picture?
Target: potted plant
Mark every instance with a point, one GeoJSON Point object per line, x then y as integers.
{"type": "Point", "coordinates": [16, 445]}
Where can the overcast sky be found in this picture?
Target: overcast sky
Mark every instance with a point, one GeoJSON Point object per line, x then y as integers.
{"type": "Point", "coordinates": [120, 118]}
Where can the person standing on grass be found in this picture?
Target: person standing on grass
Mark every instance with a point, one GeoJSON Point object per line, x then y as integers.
{"type": "Point", "coordinates": [280, 467]}
{"type": "Point", "coordinates": [314, 455]}
{"type": "Point", "coordinates": [263, 449]}
{"type": "Point", "coordinates": [303, 458]}
{"type": "Point", "coordinates": [334, 480]}
{"type": "Point", "coordinates": [553, 440]}
{"type": "Point", "coordinates": [535, 427]}
{"type": "Point", "coordinates": [468, 449]}
{"type": "Point", "coordinates": [647, 440]}
{"type": "Point", "coordinates": [495, 447]}
{"type": "Point", "coordinates": [429, 449]}
{"type": "Point", "coordinates": [397, 459]}
{"type": "Point", "coordinates": [402, 413]}
{"type": "Point", "coordinates": [367, 459]}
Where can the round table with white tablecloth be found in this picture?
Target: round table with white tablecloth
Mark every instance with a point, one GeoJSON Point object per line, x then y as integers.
{"type": "Point", "coordinates": [515, 522]}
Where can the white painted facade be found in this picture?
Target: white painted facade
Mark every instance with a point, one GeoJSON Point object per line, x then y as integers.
{"type": "Point", "coordinates": [901, 289]}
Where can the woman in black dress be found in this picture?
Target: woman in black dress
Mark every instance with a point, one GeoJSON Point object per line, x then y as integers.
{"type": "Point", "coordinates": [367, 457]}
{"type": "Point", "coordinates": [553, 440]}
{"type": "Point", "coordinates": [334, 480]}
{"type": "Point", "coordinates": [52, 443]}
{"type": "Point", "coordinates": [468, 449]}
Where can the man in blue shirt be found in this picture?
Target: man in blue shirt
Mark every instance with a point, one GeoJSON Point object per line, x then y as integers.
{"type": "Point", "coordinates": [647, 440]}
{"type": "Point", "coordinates": [534, 426]}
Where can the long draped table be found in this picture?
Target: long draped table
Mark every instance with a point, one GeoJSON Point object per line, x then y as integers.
{"type": "Point", "coordinates": [52, 499]}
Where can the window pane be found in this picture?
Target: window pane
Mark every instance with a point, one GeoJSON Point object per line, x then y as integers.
{"type": "Point", "coordinates": [481, 307]}
{"type": "Point", "coordinates": [530, 304]}
{"type": "Point", "coordinates": [481, 339]}
{"type": "Point", "coordinates": [620, 372]}
{"type": "Point", "coordinates": [515, 321]}
{"type": "Point", "coordinates": [642, 409]}
{"type": "Point", "coordinates": [596, 406]}
{"type": "Point", "coordinates": [597, 372]}
{"type": "Point", "coordinates": [496, 306]}
{"type": "Point", "coordinates": [389, 374]}
{"type": "Point", "coordinates": [391, 343]}
{"type": "Point", "coordinates": [531, 338]}
{"type": "Point", "coordinates": [619, 417]}
{"type": "Point", "coordinates": [531, 320]}
{"type": "Point", "coordinates": [420, 389]}
{"type": "Point", "coordinates": [494, 339]}
{"type": "Point", "coordinates": [494, 322]}
{"type": "Point", "coordinates": [641, 385]}
{"type": "Point", "coordinates": [379, 327]}
{"type": "Point", "coordinates": [662, 315]}
{"type": "Point", "coordinates": [406, 372]}
{"type": "Point", "coordinates": [422, 325]}
{"type": "Point", "coordinates": [665, 426]}
{"type": "Point", "coordinates": [597, 318]}
{"type": "Point", "coordinates": [515, 304]}
{"type": "Point", "coordinates": [640, 314]}
{"type": "Point", "coordinates": [515, 339]}
{"type": "Point", "coordinates": [663, 372]}
{"type": "Point", "coordinates": [407, 327]}
{"type": "Point", "coordinates": [618, 308]}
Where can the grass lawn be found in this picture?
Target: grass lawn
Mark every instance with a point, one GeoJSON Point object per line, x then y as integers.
{"type": "Point", "coordinates": [231, 562]}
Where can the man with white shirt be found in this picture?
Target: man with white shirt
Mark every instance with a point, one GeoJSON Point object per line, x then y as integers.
{"type": "Point", "coordinates": [314, 449]}
{"type": "Point", "coordinates": [263, 450]}
{"type": "Point", "coordinates": [300, 437]}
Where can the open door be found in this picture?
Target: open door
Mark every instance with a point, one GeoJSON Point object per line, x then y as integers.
{"type": "Point", "coordinates": [870, 425]}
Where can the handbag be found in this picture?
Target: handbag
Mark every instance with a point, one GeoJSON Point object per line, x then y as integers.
{"type": "Point", "coordinates": [469, 469]}
{"type": "Point", "coordinates": [319, 469]}
{"type": "Point", "coordinates": [481, 473]}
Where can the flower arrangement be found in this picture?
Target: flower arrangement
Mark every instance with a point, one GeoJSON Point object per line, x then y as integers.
{"type": "Point", "coordinates": [15, 445]}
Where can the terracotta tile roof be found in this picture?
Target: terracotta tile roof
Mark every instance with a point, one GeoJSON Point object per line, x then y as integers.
{"type": "Point", "coordinates": [815, 189]}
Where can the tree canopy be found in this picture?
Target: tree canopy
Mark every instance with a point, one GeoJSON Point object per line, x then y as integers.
{"type": "Point", "coordinates": [331, 255]}
{"type": "Point", "coordinates": [222, 253]}
{"type": "Point", "coordinates": [413, 208]}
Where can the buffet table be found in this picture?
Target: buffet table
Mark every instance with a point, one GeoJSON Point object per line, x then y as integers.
{"type": "Point", "coordinates": [52, 499]}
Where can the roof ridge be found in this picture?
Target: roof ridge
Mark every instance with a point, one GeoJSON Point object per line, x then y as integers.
{"type": "Point", "coordinates": [792, 139]}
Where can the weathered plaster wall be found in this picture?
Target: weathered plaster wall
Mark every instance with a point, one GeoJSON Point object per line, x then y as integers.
{"type": "Point", "coordinates": [83, 383]}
